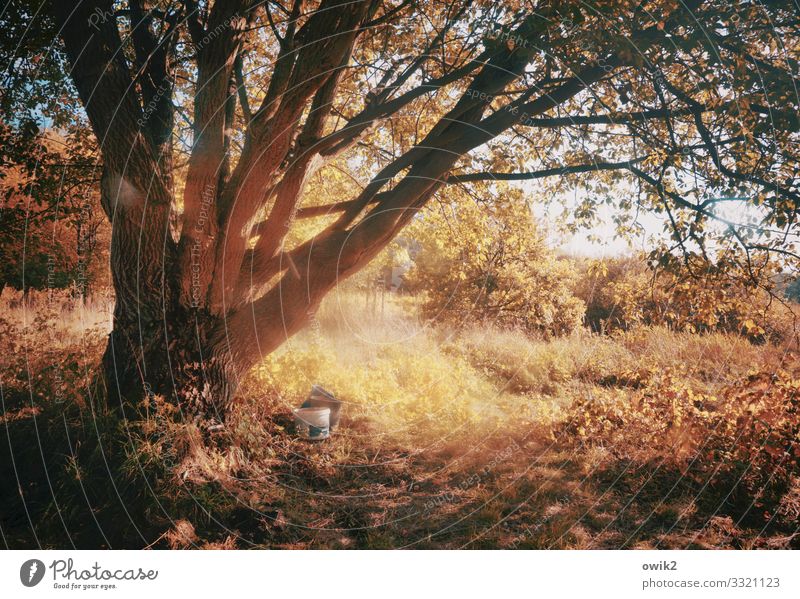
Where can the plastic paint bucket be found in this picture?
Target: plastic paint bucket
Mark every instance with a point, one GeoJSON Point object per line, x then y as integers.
{"type": "Point", "coordinates": [320, 398]}
{"type": "Point", "coordinates": [313, 423]}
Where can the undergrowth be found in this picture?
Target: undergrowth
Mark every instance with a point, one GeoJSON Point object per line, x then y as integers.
{"type": "Point", "coordinates": [450, 438]}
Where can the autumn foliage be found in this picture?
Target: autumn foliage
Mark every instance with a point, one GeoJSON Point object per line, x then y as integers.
{"type": "Point", "coordinates": [372, 196]}
{"type": "Point", "coordinates": [491, 263]}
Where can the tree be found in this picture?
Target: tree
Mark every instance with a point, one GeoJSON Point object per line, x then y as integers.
{"type": "Point", "coordinates": [212, 116]}
{"type": "Point", "coordinates": [48, 175]}
{"type": "Point", "coordinates": [47, 196]}
{"type": "Point", "coordinates": [490, 264]}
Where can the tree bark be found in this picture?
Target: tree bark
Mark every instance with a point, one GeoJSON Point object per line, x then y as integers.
{"type": "Point", "coordinates": [177, 360]}
{"type": "Point", "coordinates": [158, 346]}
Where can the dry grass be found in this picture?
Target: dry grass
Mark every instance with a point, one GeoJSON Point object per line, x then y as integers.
{"type": "Point", "coordinates": [469, 438]}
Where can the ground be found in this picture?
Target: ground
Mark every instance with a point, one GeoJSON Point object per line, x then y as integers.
{"type": "Point", "coordinates": [451, 437]}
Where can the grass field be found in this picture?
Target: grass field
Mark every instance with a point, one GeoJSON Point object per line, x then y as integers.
{"type": "Point", "coordinates": [473, 438]}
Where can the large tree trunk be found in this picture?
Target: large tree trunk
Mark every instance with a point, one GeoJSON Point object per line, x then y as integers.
{"type": "Point", "coordinates": [157, 346]}
{"type": "Point", "coordinates": [177, 359]}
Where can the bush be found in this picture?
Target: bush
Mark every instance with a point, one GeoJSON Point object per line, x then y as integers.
{"type": "Point", "coordinates": [699, 297]}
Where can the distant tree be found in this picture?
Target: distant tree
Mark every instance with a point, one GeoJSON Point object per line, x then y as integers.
{"type": "Point", "coordinates": [49, 169]}
{"type": "Point", "coordinates": [489, 263]}
{"type": "Point", "coordinates": [48, 215]}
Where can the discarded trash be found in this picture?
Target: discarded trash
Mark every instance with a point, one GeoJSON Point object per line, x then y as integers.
{"type": "Point", "coordinates": [321, 398]}
{"type": "Point", "coordinates": [313, 423]}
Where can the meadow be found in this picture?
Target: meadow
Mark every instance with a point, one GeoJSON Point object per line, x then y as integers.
{"type": "Point", "coordinates": [452, 437]}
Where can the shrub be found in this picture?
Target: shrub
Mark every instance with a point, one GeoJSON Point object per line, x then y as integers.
{"type": "Point", "coordinates": [745, 436]}
{"type": "Point", "coordinates": [698, 297]}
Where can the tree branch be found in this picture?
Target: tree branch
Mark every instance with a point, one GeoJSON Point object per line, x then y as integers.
{"type": "Point", "coordinates": [548, 172]}
{"type": "Point", "coordinates": [216, 52]}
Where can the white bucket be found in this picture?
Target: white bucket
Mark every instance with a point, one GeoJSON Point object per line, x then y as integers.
{"type": "Point", "coordinates": [321, 398]}
{"type": "Point", "coordinates": [313, 424]}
